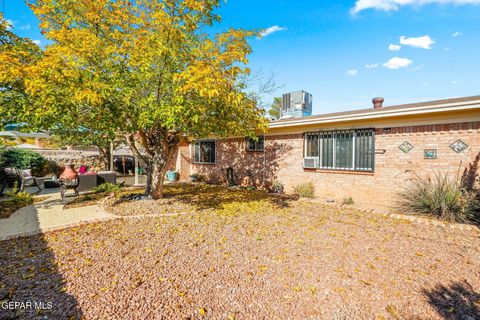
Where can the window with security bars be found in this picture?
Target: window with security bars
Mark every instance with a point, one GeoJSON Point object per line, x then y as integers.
{"type": "Point", "coordinates": [341, 149]}
{"type": "Point", "coordinates": [204, 152]}
{"type": "Point", "coordinates": [255, 144]}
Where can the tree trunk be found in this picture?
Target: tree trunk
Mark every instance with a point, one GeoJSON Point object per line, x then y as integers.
{"type": "Point", "coordinates": [156, 160]}
{"type": "Point", "coordinates": [159, 166]}
{"type": "Point", "coordinates": [105, 155]}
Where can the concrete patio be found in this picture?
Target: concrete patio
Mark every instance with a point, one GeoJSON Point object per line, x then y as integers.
{"type": "Point", "coordinates": [47, 215]}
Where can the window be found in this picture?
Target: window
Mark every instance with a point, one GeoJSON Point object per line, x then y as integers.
{"type": "Point", "coordinates": [341, 150]}
{"type": "Point", "coordinates": [255, 144]}
{"type": "Point", "coordinates": [204, 151]}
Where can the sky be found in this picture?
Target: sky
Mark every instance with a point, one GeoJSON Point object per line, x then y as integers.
{"type": "Point", "coordinates": [346, 52]}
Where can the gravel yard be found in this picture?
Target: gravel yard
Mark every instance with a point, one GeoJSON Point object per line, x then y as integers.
{"type": "Point", "coordinates": [244, 255]}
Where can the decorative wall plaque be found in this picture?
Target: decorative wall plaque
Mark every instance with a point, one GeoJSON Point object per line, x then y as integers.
{"type": "Point", "coordinates": [406, 147]}
{"type": "Point", "coordinates": [430, 153]}
{"type": "Point", "coordinates": [458, 146]}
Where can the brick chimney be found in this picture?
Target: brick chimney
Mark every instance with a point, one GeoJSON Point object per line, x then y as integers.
{"type": "Point", "coordinates": [378, 103]}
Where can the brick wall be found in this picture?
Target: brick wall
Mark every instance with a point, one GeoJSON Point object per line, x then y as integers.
{"type": "Point", "coordinates": [283, 157]}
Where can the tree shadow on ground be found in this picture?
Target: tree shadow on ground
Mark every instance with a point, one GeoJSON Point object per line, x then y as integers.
{"type": "Point", "coordinates": [204, 196]}
{"type": "Point", "coordinates": [31, 286]}
{"type": "Point", "coordinates": [459, 301]}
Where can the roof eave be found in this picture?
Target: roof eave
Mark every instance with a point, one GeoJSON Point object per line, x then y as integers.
{"type": "Point", "coordinates": [380, 114]}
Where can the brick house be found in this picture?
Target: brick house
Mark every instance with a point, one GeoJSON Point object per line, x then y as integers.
{"type": "Point", "coordinates": [365, 154]}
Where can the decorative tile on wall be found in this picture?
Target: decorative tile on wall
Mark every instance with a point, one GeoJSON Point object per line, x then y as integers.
{"type": "Point", "coordinates": [430, 153]}
{"type": "Point", "coordinates": [458, 146]}
{"type": "Point", "coordinates": [406, 147]}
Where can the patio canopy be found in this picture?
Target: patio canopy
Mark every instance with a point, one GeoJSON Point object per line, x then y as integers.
{"type": "Point", "coordinates": [18, 134]}
{"type": "Point", "coordinates": [26, 146]}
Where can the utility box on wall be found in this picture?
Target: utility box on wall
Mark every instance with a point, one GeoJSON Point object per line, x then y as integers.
{"type": "Point", "coordinates": [296, 104]}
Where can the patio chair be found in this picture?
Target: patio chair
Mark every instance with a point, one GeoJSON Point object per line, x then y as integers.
{"type": "Point", "coordinates": [3, 180]}
{"type": "Point", "coordinates": [22, 177]}
{"type": "Point", "coordinates": [106, 177]}
{"type": "Point", "coordinates": [86, 182]}
{"type": "Point", "coordinates": [26, 177]}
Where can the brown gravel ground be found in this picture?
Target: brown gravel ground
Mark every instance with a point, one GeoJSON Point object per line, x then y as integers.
{"type": "Point", "coordinates": [245, 255]}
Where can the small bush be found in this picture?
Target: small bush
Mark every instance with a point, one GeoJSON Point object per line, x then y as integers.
{"type": "Point", "coordinates": [440, 196]}
{"type": "Point", "coordinates": [277, 184]}
{"type": "Point", "coordinates": [198, 176]}
{"type": "Point", "coordinates": [305, 190]}
{"type": "Point", "coordinates": [348, 200]}
{"type": "Point", "coordinates": [22, 159]}
{"type": "Point", "coordinates": [106, 188]}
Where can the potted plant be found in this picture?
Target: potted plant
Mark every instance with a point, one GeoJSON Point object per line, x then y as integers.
{"type": "Point", "coordinates": [277, 186]}
{"type": "Point", "coordinates": [172, 176]}
{"type": "Point", "coordinates": [195, 177]}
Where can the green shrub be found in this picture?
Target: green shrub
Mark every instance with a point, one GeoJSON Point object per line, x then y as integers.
{"type": "Point", "coordinates": [22, 159]}
{"type": "Point", "coordinates": [106, 188]}
{"type": "Point", "coordinates": [21, 197]}
{"type": "Point", "coordinates": [348, 200]}
{"type": "Point", "coordinates": [440, 196]}
{"type": "Point", "coordinates": [305, 190]}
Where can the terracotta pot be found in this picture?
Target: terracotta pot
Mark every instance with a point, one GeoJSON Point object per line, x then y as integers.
{"type": "Point", "coordinates": [69, 173]}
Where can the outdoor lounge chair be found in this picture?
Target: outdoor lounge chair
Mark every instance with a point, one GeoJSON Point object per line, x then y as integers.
{"type": "Point", "coordinates": [3, 180]}
{"type": "Point", "coordinates": [26, 177]}
{"type": "Point", "coordinates": [22, 177]}
{"type": "Point", "coordinates": [86, 182]}
{"type": "Point", "coordinates": [106, 177]}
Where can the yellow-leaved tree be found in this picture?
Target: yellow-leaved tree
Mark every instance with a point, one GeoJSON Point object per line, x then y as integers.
{"type": "Point", "coordinates": [147, 70]}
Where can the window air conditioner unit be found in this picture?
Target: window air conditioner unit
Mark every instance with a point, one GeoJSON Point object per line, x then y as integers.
{"type": "Point", "coordinates": [310, 162]}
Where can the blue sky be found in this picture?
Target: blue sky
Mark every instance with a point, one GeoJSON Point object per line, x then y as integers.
{"type": "Point", "coordinates": [346, 52]}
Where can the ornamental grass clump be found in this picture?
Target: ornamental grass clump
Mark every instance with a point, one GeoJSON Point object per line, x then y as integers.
{"type": "Point", "coordinates": [106, 188]}
{"type": "Point", "coordinates": [441, 196]}
{"type": "Point", "coordinates": [305, 190]}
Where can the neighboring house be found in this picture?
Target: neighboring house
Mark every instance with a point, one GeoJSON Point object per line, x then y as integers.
{"type": "Point", "coordinates": [368, 154]}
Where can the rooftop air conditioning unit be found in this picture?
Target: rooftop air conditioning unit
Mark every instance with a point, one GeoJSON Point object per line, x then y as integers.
{"type": "Point", "coordinates": [310, 162]}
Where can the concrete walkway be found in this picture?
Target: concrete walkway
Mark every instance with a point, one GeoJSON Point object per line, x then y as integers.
{"type": "Point", "coordinates": [48, 215]}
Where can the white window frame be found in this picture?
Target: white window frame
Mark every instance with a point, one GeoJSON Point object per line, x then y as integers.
{"type": "Point", "coordinates": [334, 145]}
{"type": "Point", "coordinates": [214, 154]}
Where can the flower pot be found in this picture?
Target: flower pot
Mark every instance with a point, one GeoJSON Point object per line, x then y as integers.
{"type": "Point", "coordinates": [172, 176]}
{"type": "Point", "coordinates": [69, 173]}
{"type": "Point", "coordinates": [278, 189]}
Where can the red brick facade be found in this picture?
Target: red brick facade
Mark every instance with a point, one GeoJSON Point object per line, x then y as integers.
{"type": "Point", "coordinates": [282, 159]}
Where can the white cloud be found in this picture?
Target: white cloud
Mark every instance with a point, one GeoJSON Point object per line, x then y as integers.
{"type": "Point", "coordinates": [37, 42]}
{"type": "Point", "coordinates": [397, 63]}
{"type": "Point", "coordinates": [371, 66]}
{"type": "Point", "coordinates": [25, 27]}
{"type": "Point", "coordinates": [270, 30]}
{"type": "Point", "coordinates": [394, 47]}
{"type": "Point", "coordinates": [352, 73]}
{"type": "Point", "coordinates": [394, 5]}
{"type": "Point", "coordinates": [424, 42]}
{"type": "Point", "coordinates": [457, 34]}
